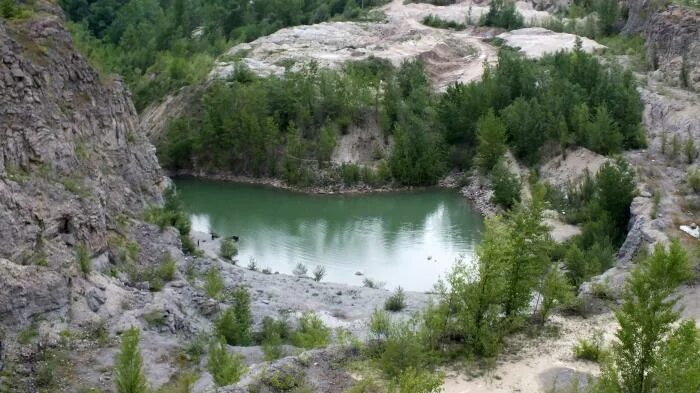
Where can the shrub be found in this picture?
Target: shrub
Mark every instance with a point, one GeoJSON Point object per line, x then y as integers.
{"type": "Point", "coordinates": [83, 257]}
{"type": "Point", "coordinates": [129, 375]}
{"type": "Point", "coordinates": [417, 381]}
{"type": "Point", "coordinates": [693, 179]}
{"type": "Point", "coordinates": [172, 214]}
{"type": "Point", "coordinates": [379, 324]}
{"type": "Point", "coordinates": [196, 348]}
{"type": "Point", "coordinates": [300, 270]}
{"type": "Point", "coordinates": [252, 265]}
{"type": "Point", "coordinates": [319, 273]}
{"type": "Point", "coordinates": [213, 282]}
{"type": "Point", "coordinates": [167, 268]}
{"type": "Point", "coordinates": [8, 9]}
{"type": "Point", "coordinates": [273, 334]}
{"type": "Point", "coordinates": [401, 350]}
{"type": "Point", "coordinates": [369, 283]}
{"type": "Point", "coordinates": [228, 249]}
{"type": "Point", "coordinates": [235, 323]}
{"type": "Point", "coordinates": [312, 333]}
{"type": "Point", "coordinates": [397, 301]}
{"type": "Point", "coordinates": [155, 318]}
{"type": "Point", "coordinates": [602, 290]}
{"type": "Point", "coordinates": [224, 367]}
{"type": "Point", "coordinates": [27, 335]}
{"type": "Point", "coordinates": [589, 349]}
{"type": "Point", "coordinates": [285, 379]}
{"type": "Point", "coordinates": [690, 150]}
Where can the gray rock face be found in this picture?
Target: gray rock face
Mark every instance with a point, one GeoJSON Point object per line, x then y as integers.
{"type": "Point", "coordinates": [638, 16]}
{"type": "Point", "coordinates": [71, 156]}
{"type": "Point", "coordinates": [673, 45]}
{"type": "Point", "coordinates": [95, 299]}
{"type": "Point", "coordinates": [29, 291]}
{"type": "Point", "coordinates": [73, 163]}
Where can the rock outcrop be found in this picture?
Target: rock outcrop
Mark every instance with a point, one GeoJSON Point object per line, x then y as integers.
{"type": "Point", "coordinates": [72, 158]}
{"type": "Point", "coordinates": [30, 291]}
{"type": "Point", "coordinates": [638, 15]}
{"type": "Point", "coordinates": [673, 45]}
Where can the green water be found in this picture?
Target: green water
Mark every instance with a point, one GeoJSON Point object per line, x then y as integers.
{"type": "Point", "coordinates": [407, 238]}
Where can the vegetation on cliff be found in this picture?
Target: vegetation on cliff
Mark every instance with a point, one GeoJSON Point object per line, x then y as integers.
{"type": "Point", "coordinates": [245, 124]}
{"type": "Point", "coordinates": [161, 46]}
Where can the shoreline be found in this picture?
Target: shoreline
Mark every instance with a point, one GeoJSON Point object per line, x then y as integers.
{"type": "Point", "coordinates": [450, 182]}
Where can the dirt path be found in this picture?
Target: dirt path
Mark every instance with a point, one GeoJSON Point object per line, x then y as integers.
{"type": "Point", "coordinates": [534, 365]}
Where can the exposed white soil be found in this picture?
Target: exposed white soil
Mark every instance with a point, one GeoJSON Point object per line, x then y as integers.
{"type": "Point", "coordinates": [450, 56]}
{"type": "Point", "coordinates": [535, 42]}
{"type": "Point", "coordinates": [571, 167]}
{"type": "Point", "coordinates": [534, 365]}
{"type": "Point", "coordinates": [362, 145]}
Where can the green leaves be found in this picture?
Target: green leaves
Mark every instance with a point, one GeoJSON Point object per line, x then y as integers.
{"type": "Point", "coordinates": [491, 135]}
{"type": "Point", "coordinates": [129, 373]}
{"type": "Point", "coordinates": [647, 341]}
{"type": "Point", "coordinates": [234, 324]}
{"type": "Point", "coordinates": [226, 368]}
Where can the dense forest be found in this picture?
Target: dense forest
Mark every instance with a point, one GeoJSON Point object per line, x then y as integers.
{"type": "Point", "coordinates": [530, 106]}
{"type": "Point", "coordinates": [159, 46]}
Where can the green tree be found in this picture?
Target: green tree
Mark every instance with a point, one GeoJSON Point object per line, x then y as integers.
{"type": "Point", "coordinates": [213, 282]}
{"type": "Point", "coordinates": [235, 323]}
{"type": "Point", "coordinates": [470, 301]}
{"type": "Point", "coordinates": [525, 128]}
{"type": "Point", "coordinates": [417, 157]}
{"type": "Point", "coordinates": [531, 245]}
{"type": "Point", "coordinates": [129, 375]}
{"type": "Point", "coordinates": [491, 135]}
{"type": "Point", "coordinates": [228, 249]}
{"type": "Point", "coordinates": [506, 186]}
{"type": "Point", "coordinates": [608, 12]}
{"type": "Point", "coordinates": [616, 188]}
{"type": "Point", "coordinates": [224, 367]}
{"type": "Point", "coordinates": [579, 267]}
{"type": "Point", "coordinates": [604, 136]}
{"type": "Point", "coordinates": [646, 319]}
{"type": "Point", "coordinates": [326, 142]}
{"type": "Point", "coordinates": [677, 368]}
{"type": "Point", "coordinates": [554, 290]}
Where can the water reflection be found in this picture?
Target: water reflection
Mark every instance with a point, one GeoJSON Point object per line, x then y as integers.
{"type": "Point", "coordinates": [406, 239]}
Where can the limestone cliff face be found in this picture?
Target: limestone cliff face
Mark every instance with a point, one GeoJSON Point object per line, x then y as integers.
{"type": "Point", "coordinates": [73, 161]}
{"type": "Point", "coordinates": [673, 45]}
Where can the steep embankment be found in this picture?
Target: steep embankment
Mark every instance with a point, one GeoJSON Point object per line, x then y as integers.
{"type": "Point", "coordinates": [72, 160]}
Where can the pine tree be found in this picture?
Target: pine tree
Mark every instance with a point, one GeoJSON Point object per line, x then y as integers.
{"type": "Point", "coordinates": [646, 319]}
{"type": "Point", "coordinates": [225, 368]}
{"type": "Point", "coordinates": [235, 323]}
{"type": "Point", "coordinates": [491, 134]}
{"type": "Point", "coordinates": [129, 373]}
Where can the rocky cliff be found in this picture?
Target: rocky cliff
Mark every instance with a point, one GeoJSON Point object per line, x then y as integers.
{"type": "Point", "coordinates": [673, 45]}
{"type": "Point", "coordinates": [73, 161]}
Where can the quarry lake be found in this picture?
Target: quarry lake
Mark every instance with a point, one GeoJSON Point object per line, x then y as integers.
{"type": "Point", "coordinates": [404, 238]}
